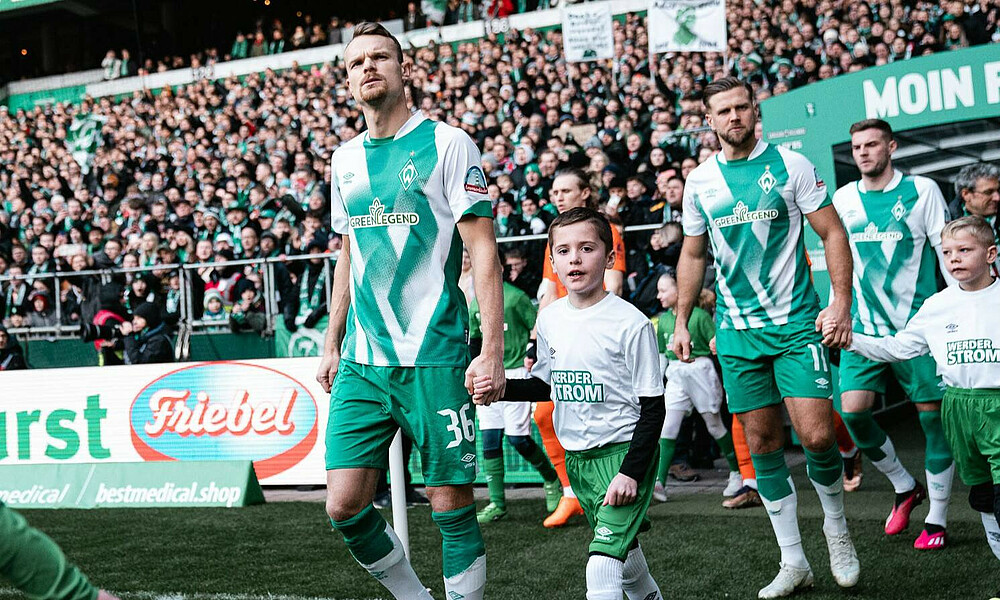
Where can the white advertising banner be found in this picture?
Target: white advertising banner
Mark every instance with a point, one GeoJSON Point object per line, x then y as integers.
{"type": "Point", "coordinates": [686, 26]}
{"type": "Point", "coordinates": [587, 32]}
{"type": "Point", "coordinates": [271, 412]}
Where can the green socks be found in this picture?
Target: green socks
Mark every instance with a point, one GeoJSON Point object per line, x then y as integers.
{"type": "Point", "coordinates": [726, 447]}
{"type": "Point", "coordinates": [493, 467]}
{"type": "Point", "coordinates": [937, 456]}
{"type": "Point", "coordinates": [667, 447]}
{"type": "Point", "coordinates": [366, 537]}
{"type": "Point", "coordinates": [866, 433]}
{"type": "Point", "coordinates": [772, 475]}
{"type": "Point", "coordinates": [461, 539]}
{"type": "Point", "coordinates": [825, 468]}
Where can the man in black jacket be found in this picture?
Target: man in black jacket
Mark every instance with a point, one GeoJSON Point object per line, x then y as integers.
{"type": "Point", "coordinates": [146, 340]}
{"type": "Point", "coordinates": [11, 355]}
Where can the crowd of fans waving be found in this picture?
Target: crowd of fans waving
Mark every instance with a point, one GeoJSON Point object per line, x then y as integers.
{"type": "Point", "coordinates": [232, 169]}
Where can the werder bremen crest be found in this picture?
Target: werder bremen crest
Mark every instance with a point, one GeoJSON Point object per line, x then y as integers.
{"type": "Point", "coordinates": [408, 174]}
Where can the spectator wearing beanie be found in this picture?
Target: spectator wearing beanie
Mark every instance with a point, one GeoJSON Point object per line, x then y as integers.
{"type": "Point", "coordinates": [146, 341]}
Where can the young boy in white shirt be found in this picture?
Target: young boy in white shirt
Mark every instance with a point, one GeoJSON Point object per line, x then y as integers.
{"type": "Point", "coordinates": [599, 363]}
{"type": "Point", "coordinates": [958, 326]}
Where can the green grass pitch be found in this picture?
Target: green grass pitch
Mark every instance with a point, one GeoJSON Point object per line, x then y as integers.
{"type": "Point", "coordinates": [696, 550]}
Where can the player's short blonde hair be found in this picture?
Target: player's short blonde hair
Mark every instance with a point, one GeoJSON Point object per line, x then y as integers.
{"type": "Point", "coordinates": [977, 227]}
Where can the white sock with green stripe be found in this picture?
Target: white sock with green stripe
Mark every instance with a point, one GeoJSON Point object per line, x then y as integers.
{"type": "Point", "coordinates": [604, 577]}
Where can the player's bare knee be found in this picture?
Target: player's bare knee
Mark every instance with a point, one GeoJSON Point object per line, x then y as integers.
{"type": "Point", "coordinates": [450, 497]}
{"type": "Point", "coordinates": [341, 506]}
{"type": "Point", "coordinates": [816, 440]}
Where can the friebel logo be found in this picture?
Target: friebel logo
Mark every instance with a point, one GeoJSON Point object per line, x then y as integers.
{"type": "Point", "coordinates": [226, 411]}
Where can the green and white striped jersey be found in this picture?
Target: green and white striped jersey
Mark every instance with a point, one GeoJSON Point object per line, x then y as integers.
{"type": "Point", "coordinates": [752, 210]}
{"type": "Point", "coordinates": [399, 200]}
{"type": "Point", "coordinates": [893, 233]}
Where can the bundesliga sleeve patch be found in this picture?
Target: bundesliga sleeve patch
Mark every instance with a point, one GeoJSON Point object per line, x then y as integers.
{"type": "Point", "coordinates": [819, 181]}
{"type": "Point", "coordinates": [475, 180]}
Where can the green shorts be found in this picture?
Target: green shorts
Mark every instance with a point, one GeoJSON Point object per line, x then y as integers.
{"type": "Point", "coordinates": [918, 376]}
{"type": "Point", "coordinates": [971, 421]}
{"type": "Point", "coordinates": [615, 527]}
{"type": "Point", "coordinates": [762, 366]}
{"type": "Point", "coordinates": [430, 404]}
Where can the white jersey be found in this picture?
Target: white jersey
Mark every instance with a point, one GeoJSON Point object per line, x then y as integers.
{"type": "Point", "coordinates": [598, 361]}
{"type": "Point", "coordinates": [958, 328]}
{"type": "Point", "coordinates": [895, 237]}
{"type": "Point", "coordinates": [399, 199]}
{"type": "Point", "coordinates": [752, 212]}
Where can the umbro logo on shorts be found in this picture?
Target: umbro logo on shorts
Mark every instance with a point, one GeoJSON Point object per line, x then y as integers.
{"type": "Point", "coordinates": [453, 595]}
{"type": "Point", "coordinates": [603, 533]}
{"type": "Point", "coordinates": [822, 382]}
{"type": "Point", "coordinates": [652, 596]}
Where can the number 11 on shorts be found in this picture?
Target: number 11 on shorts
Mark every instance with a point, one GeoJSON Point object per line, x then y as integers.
{"type": "Point", "coordinates": [461, 425]}
{"type": "Point", "coordinates": [819, 357]}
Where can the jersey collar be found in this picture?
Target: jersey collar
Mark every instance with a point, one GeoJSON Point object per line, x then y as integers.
{"type": "Point", "coordinates": [415, 119]}
{"type": "Point", "coordinates": [757, 151]}
{"type": "Point", "coordinates": [897, 176]}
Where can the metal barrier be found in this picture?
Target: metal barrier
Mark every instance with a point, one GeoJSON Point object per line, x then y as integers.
{"type": "Point", "coordinates": [188, 273]}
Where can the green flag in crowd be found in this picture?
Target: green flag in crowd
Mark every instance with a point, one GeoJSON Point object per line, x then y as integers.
{"type": "Point", "coordinates": [83, 138]}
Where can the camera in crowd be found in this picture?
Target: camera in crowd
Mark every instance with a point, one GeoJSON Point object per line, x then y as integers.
{"type": "Point", "coordinates": [90, 332]}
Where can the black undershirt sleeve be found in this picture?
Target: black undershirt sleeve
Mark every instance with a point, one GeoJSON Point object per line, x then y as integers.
{"type": "Point", "coordinates": [531, 389]}
{"type": "Point", "coordinates": [645, 438]}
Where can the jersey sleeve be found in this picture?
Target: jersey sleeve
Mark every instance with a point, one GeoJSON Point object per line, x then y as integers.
{"type": "Point", "coordinates": [934, 209]}
{"type": "Point", "coordinates": [692, 220]}
{"type": "Point", "coordinates": [338, 210]}
{"type": "Point", "coordinates": [909, 343]}
{"type": "Point", "coordinates": [809, 189]}
{"type": "Point", "coordinates": [642, 357]}
{"type": "Point", "coordinates": [475, 321]}
{"type": "Point", "coordinates": [934, 213]}
{"type": "Point", "coordinates": [542, 369]}
{"type": "Point", "coordinates": [464, 182]}
{"type": "Point", "coordinates": [619, 245]}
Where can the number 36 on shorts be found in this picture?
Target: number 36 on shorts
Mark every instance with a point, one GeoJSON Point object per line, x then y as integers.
{"type": "Point", "coordinates": [460, 425]}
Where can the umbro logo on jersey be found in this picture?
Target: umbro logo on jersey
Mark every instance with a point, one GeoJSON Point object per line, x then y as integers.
{"type": "Point", "coordinates": [408, 174]}
{"type": "Point", "coordinates": [898, 210]}
{"type": "Point", "coordinates": [951, 327]}
{"type": "Point", "coordinates": [767, 181]}
{"type": "Point", "coordinates": [377, 217]}
{"type": "Point", "coordinates": [468, 458]}
{"type": "Point", "coordinates": [552, 352]}
{"type": "Point", "coordinates": [348, 176]}
{"type": "Point", "coordinates": [742, 214]}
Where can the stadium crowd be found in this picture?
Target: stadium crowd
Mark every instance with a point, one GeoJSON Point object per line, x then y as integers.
{"type": "Point", "coordinates": [274, 36]}
{"type": "Point", "coordinates": [239, 169]}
